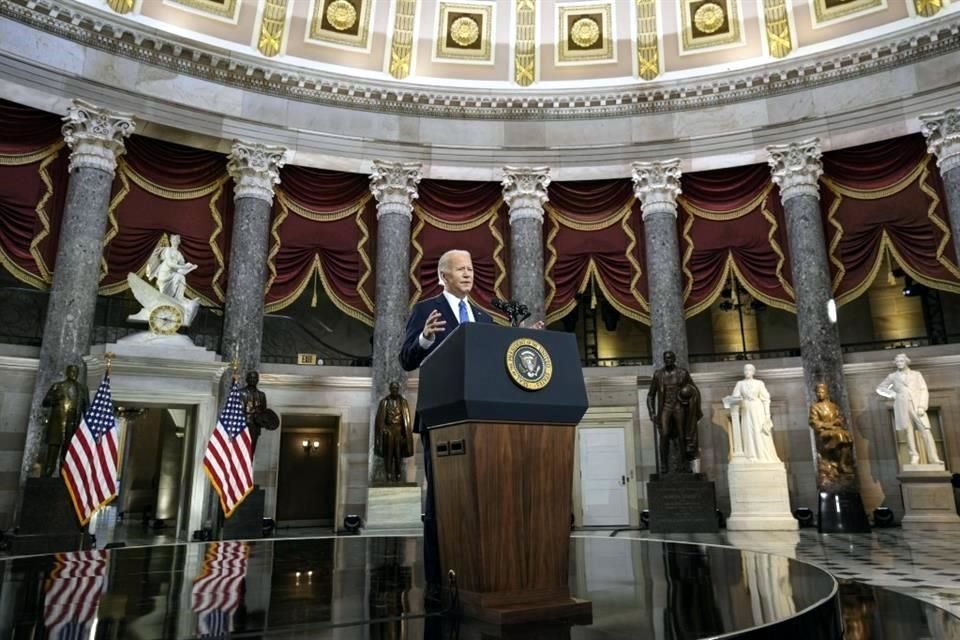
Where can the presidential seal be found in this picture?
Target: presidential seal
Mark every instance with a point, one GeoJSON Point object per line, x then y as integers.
{"type": "Point", "coordinates": [529, 364]}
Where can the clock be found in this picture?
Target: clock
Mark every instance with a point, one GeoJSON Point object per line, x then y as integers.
{"type": "Point", "coordinates": [165, 319]}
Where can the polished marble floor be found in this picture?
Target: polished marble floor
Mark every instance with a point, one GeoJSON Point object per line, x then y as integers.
{"type": "Point", "coordinates": [368, 587]}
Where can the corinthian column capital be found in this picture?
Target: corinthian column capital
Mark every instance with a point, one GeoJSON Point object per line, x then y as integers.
{"type": "Point", "coordinates": [657, 185]}
{"type": "Point", "coordinates": [525, 191]}
{"type": "Point", "coordinates": [942, 131]}
{"type": "Point", "coordinates": [95, 136]}
{"type": "Point", "coordinates": [796, 168]}
{"type": "Point", "coordinates": [394, 185]}
{"type": "Point", "coordinates": [255, 169]}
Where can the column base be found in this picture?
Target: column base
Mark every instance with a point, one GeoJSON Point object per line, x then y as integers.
{"type": "Point", "coordinates": [842, 512]}
{"type": "Point", "coordinates": [682, 503]}
{"type": "Point", "coordinates": [928, 500]}
{"type": "Point", "coordinates": [759, 498]}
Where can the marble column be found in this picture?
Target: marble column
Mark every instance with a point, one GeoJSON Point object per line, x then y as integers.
{"type": "Point", "coordinates": [942, 131]}
{"type": "Point", "coordinates": [657, 185]}
{"type": "Point", "coordinates": [525, 191]}
{"type": "Point", "coordinates": [255, 169]}
{"type": "Point", "coordinates": [95, 137]}
{"type": "Point", "coordinates": [796, 169]}
{"type": "Point", "coordinates": [394, 185]}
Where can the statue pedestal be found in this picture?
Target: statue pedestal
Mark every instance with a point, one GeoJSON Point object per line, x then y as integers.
{"type": "Point", "coordinates": [247, 519]}
{"type": "Point", "coordinates": [48, 521]}
{"type": "Point", "coordinates": [759, 500]}
{"type": "Point", "coordinates": [149, 345]}
{"type": "Point", "coordinates": [927, 498]}
{"type": "Point", "coordinates": [394, 506]}
{"type": "Point", "coordinates": [682, 503]}
{"type": "Point", "coordinates": [842, 512]}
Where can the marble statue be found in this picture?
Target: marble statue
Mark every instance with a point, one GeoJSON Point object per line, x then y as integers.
{"type": "Point", "coordinates": [908, 390]}
{"type": "Point", "coordinates": [259, 416]}
{"type": "Point", "coordinates": [673, 402]}
{"type": "Point", "coordinates": [393, 435]}
{"type": "Point", "coordinates": [834, 442]}
{"type": "Point", "coordinates": [67, 401]}
{"type": "Point", "coordinates": [169, 268]}
{"type": "Point", "coordinates": [166, 307]}
{"type": "Point", "coordinates": [750, 407]}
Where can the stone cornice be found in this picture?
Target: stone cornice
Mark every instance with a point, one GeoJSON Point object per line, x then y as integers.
{"type": "Point", "coordinates": [107, 32]}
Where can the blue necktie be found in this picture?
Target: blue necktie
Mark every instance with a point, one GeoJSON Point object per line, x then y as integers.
{"type": "Point", "coordinates": [464, 316]}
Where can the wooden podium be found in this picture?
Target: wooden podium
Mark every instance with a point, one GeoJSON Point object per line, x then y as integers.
{"type": "Point", "coordinates": [502, 405]}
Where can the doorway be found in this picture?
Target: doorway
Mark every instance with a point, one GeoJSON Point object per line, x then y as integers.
{"type": "Point", "coordinates": [156, 445]}
{"type": "Point", "coordinates": [604, 489]}
{"type": "Point", "coordinates": [307, 482]}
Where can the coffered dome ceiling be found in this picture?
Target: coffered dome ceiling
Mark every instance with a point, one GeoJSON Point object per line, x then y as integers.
{"type": "Point", "coordinates": [540, 44]}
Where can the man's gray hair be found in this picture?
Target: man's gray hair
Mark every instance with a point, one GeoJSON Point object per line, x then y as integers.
{"type": "Point", "coordinates": [905, 357]}
{"type": "Point", "coordinates": [444, 264]}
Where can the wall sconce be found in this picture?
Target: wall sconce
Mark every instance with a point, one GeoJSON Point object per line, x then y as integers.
{"type": "Point", "coordinates": [310, 446]}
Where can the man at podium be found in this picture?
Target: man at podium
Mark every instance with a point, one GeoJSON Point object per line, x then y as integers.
{"type": "Point", "coordinates": [429, 323]}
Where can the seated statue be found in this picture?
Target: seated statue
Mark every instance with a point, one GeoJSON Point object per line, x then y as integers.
{"type": "Point", "coordinates": [170, 269]}
{"type": "Point", "coordinates": [834, 441]}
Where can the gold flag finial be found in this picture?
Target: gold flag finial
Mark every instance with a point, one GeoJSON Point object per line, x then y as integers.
{"type": "Point", "coordinates": [108, 357]}
{"type": "Point", "coordinates": [235, 363]}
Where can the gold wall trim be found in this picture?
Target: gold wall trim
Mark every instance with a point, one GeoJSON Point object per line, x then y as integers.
{"type": "Point", "coordinates": [401, 47]}
{"type": "Point", "coordinates": [525, 48]}
{"type": "Point", "coordinates": [121, 6]}
{"type": "Point", "coordinates": [927, 8]}
{"type": "Point", "coordinates": [823, 12]}
{"type": "Point", "coordinates": [221, 8]}
{"type": "Point", "coordinates": [777, 23]}
{"type": "Point", "coordinates": [272, 26]}
{"type": "Point", "coordinates": [648, 40]}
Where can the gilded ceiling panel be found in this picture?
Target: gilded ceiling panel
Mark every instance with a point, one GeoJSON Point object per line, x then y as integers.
{"type": "Point", "coordinates": [342, 22]}
{"type": "Point", "coordinates": [709, 23]}
{"type": "Point", "coordinates": [464, 32]}
{"type": "Point", "coordinates": [829, 10]}
{"type": "Point", "coordinates": [585, 33]}
{"type": "Point", "coordinates": [219, 8]}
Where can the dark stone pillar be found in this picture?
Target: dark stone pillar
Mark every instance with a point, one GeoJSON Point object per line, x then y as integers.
{"type": "Point", "coordinates": [525, 191]}
{"type": "Point", "coordinates": [657, 185]}
{"type": "Point", "coordinates": [394, 185]}
{"type": "Point", "coordinates": [255, 169]}
{"type": "Point", "coordinates": [942, 131]}
{"type": "Point", "coordinates": [95, 137]}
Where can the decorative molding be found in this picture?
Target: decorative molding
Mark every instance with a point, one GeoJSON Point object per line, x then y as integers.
{"type": "Point", "coordinates": [927, 8]}
{"type": "Point", "coordinates": [525, 191]}
{"type": "Point", "coordinates": [95, 136]}
{"type": "Point", "coordinates": [121, 6]}
{"type": "Point", "coordinates": [796, 168]}
{"type": "Point", "coordinates": [942, 131]}
{"type": "Point", "coordinates": [920, 41]}
{"type": "Point", "coordinates": [525, 43]}
{"type": "Point", "coordinates": [255, 169]}
{"type": "Point", "coordinates": [464, 32]}
{"type": "Point", "coordinates": [648, 40]}
{"type": "Point", "coordinates": [827, 11]}
{"type": "Point", "coordinates": [272, 26]}
{"type": "Point", "coordinates": [709, 25]}
{"type": "Point", "coordinates": [401, 46]}
{"type": "Point", "coordinates": [657, 185]}
{"type": "Point", "coordinates": [585, 34]}
{"type": "Point", "coordinates": [777, 24]}
{"type": "Point", "coordinates": [394, 185]}
{"type": "Point", "coordinates": [343, 23]}
{"type": "Point", "coordinates": [227, 10]}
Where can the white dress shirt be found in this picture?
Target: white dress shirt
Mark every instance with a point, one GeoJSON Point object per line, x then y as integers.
{"type": "Point", "coordinates": [454, 303]}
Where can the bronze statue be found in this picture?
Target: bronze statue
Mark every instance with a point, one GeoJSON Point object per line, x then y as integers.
{"type": "Point", "coordinates": [259, 417]}
{"type": "Point", "coordinates": [674, 405]}
{"type": "Point", "coordinates": [68, 401]}
{"type": "Point", "coordinates": [834, 442]}
{"type": "Point", "coordinates": [393, 435]}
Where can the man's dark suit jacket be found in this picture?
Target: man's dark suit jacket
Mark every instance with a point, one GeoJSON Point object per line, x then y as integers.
{"type": "Point", "coordinates": [411, 353]}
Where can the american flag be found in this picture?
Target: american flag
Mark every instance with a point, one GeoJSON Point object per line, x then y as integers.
{"type": "Point", "coordinates": [228, 460]}
{"type": "Point", "coordinates": [73, 594]}
{"type": "Point", "coordinates": [218, 590]}
{"type": "Point", "coordinates": [90, 466]}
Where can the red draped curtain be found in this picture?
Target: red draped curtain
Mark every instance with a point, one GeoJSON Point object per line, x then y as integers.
{"type": "Point", "coordinates": [162, 189]}
{"type": "Point", "coordinates": [885, 200]}
{"type": "Point", "coordinates": [324, 228]}
{"type": "Point", "coordinates": [732, 221]}
{"type": "Point", "coordinates": [594, 234]}
{"type": "Point", "coordinates": [33, 187]}
{"type": "Point", "coordinates": [453, 214]}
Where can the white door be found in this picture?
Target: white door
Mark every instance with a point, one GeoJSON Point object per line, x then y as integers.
{"type": "Point", "coordinates": [603, 477]}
